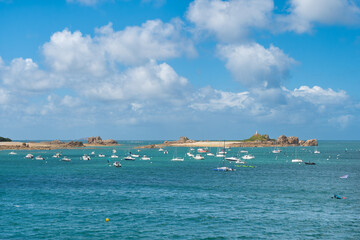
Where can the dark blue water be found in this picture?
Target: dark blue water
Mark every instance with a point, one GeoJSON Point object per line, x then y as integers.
{"type": "Point", "coordinates": [160, 199]}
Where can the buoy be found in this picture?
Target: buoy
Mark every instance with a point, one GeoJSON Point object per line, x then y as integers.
{"type": "Point", "coordinates": [107, 220]}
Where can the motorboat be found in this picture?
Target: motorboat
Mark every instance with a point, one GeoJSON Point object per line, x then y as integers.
{"type": "Point", "coordinates": [161, 150]}
{"type": "Point", "coordinates": [210, 154]}
{"type": "Point", "coordinates": [198, 157]}
{"type": "Point", "coordinates": [39, 158]}
{"type": "Point", "coordinates": [114, 156]}
{"type": "Point", "coordinates": [29, 156]}
{"type": "Point", "coordinates": [177, 159]}
{"type": "Point", "coordinates": [145, 158]}
{"type": "Point", "coordinates": [297, 161]}
{"type": "Point", "coordinates": [276, 151]}
{"type": "Point", "coordinates": [310, 163]}
{"type": "Point", "coordinates": [316, 152]}
{"type": "Point", "coordinates": [66, 159]}
{"type": "Point", "coordinates": [225, 169]}
{"type": "Point", "coordinates": [244, 151]}
{"type": "Point", "coordinates": [232, 159]}
{"type": "Point", "coordinates": [135, 155]}
{"type": "Point", "coordinates": [203, 150]}
{"type": "Point", "coordinates": [248, 157]}
{"type": "Point", "coordinates": [85, 157]}
{"type": "Point", "coordinates": [12, 153]}
{"type": "Point", "coordinates": [240, 162]}
{"type": "Point", "coordinates": [220, 155]}
{"type": "Point", "coordinates": [57, 155]}
{"type": "Point", "coordinates": [117, 164]}
{"type": "Point", "coordinates": [101, 155]}
{"type": "Point", "coordinates": [166, 152]}
{"type": "Point", "coordinates": [129, 158]}
{"type": "Point", "coordinates": [114, 151]}
{"type": "Point", "coordinates": [92, 153]}
{"type": "Point", "coordinates": [190, 154]}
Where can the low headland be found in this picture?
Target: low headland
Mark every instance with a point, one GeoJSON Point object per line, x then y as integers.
{"type": "Point", "coordinates": [56, 144]}
{"type": "Point", "coordinates": [257, 140]}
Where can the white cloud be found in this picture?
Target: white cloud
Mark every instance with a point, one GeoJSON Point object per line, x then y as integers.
{"type": "Point", "coordinates": [304, 14]}
{"type": "Point", "coordinates": [230, 20]}
{"type": "Point", "coordinates": [255, 66]}
{"type": "Point", "coordinates": [77, 54]}
{"type": "Point", "coordinates": [144, 83]}
{"type": "Point", "coordinates": [319, 96]}
{"type": "Point", "coordinates": [85, 2]}
{"type": "Point", "coordinates": [24, 74]}
{"type": "Point", "coordinates": [4, 96]}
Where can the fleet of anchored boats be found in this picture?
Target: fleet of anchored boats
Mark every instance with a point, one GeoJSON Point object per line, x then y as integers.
{"type": "Point", "coordinates": [198, 154]}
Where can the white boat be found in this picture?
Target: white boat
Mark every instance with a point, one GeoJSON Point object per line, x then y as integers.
{"type": "Point", "coordinates": [210, 154]}
{"type": "Point", "coordinates": [12, 153]}
{"type": "Point", "coordinates": [113, 151]}
{"type": "Point", "coordinates": [92, 153]}
{"type": "Point", "coordinates": [166, 152]}
{"type": "Point", "coordinates": [129, 158]}
{"type": "Point", "coordinates": [248, 157]}
{"type": "Point", "coordinates": [220, 155]}
{"type": "Point", "coordinates": [145, 158]}
{"type": "Point", "coordinates": [117, 164]}
{"type": "Point", "coordinates": [239, 161]}
{"type": "Point", "coordinates": [177, 159]}
{"type": "Point", "coordinates": [56, 155]}
{"type": "Point", "coordinates": [135, 155]}
{"type": "Point", "coordinates": [101, 155]}
{"type": "Point", "coordinates": [190, 154]}
{"type": "Point", "coordinates": [29, 156]}
{"type": "Point", "coordinates": [316, 152]}
{"type": "Point", "coordinates": [297, 160]}
{"type": "Point", "coordinates": [66, 159]}
{"type": "Point", "coordinates": [232, 159]}
{"type": "Point", "coordinates": [192, 149]}
{"type": "Point", "coordinates": [224, 169]}
{"type": "Point", "coordinates": [161, 150]}
{"type": "Point", "coordinates": [244, 151]}
{"type": "Point", "coordinates": [85, 157]}
{"type": "Point", "coordinates": [198, 157]}
{"type": "Point", "coordinates": [114, 156]}
{"type": "Point", "coordinates": [276, 151]}
{"type": "Point", "coordinates": [39, 158]}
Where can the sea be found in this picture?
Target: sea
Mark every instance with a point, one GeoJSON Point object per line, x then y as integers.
{"type": "Point", "coordinates": [269, 197]}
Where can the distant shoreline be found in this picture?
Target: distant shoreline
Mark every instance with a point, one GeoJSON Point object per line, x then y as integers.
{"type": "Point", "coordinates": [47, 145]}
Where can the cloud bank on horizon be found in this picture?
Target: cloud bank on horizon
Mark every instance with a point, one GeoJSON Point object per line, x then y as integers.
{"type": "Point", "coordinates": [124, 79]}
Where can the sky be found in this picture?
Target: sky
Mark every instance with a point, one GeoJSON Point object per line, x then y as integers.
{"type": "Point", "coordinates": [161, 69]}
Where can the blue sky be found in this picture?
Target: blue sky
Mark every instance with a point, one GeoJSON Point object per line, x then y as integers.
{"type": "Point", "coordinates": [160, 69]}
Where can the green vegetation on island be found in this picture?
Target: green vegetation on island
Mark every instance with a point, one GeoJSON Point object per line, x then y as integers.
{"type": "Point", "coordinates": [258, 137]}
{"type": "Point", "coordinates": [2, 139]}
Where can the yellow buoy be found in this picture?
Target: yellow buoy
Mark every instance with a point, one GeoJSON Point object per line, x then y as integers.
{"type": "Point", "coordinates": [107, 219]}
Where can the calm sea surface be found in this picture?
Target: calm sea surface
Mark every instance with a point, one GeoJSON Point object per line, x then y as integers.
{"type": "Point", "coordinates": [160, 199]}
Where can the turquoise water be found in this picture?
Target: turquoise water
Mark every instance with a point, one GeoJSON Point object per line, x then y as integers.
{"type": "Point", "coordinates": [160, 199]}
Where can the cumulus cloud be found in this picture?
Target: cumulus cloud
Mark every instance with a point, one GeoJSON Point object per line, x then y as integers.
{"type": "Point", "coordinates": [304, 14]}
{"type": "Point", "coordinates": [230, 20]}
{"type": "Point", "coordinates": [255, 66]}
{"type": "Point", "coordinates": [24, 74]}
{"type": "Point", "coordinates": [75, 53]}
{"type": "Point", "coordinates": [320, 96]}
{"type": "Point", "coordinates": [149, 82]}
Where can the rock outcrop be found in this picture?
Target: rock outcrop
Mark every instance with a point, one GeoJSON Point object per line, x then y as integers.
{"type": "Point", "coordinates": [282, 140]}
{"type": "Point", "coordinates": [98, 141]}
{"type": "Point", "coordinates": [293, 140]}
{"type": "Point", "coordinates": [310, 142]}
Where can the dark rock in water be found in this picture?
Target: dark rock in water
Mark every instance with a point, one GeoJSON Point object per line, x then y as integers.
{"type": "Point", "coordinates": [94, 140]}
{"type": "Point", "coordinates": [282, 139]}
{"type": "Point", "coordinates": [293, 140]}
{"type": "Point", "coordinates": [311, 142]}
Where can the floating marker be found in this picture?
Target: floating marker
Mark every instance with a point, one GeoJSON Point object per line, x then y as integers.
{"type": "Point", "coordinates": [107, 219]}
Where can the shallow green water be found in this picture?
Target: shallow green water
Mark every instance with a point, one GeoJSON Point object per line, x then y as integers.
{"type": "Point", "coordinates": [160, 199]}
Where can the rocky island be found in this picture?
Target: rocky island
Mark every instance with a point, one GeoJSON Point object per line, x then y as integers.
{"type": "Point", "coordinates": [56, 144]}
{"type": "Point", "coordinates": [257, 140]}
